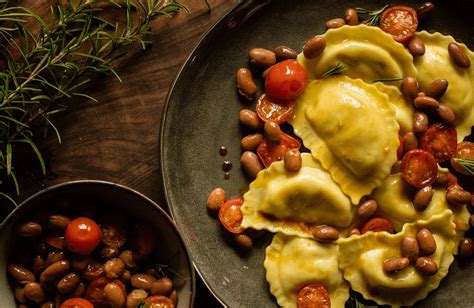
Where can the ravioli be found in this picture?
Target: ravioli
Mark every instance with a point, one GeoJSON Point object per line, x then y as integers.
{"type": "Point", "coordinates": [366, 52]}
{"type": "Point", "coordinates": [292, 262]}
{"type": "Point", "coordinates": [436, 63]}
{"type": "Point", "coordinates": [361, 260]}
{"type": "Point", "coordinates": [350, 127]}
{"type": "Point", "coordinates": [291, 203]}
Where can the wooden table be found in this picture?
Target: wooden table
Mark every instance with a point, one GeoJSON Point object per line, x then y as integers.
{"type": "Point", "coordinates": [117, 139]}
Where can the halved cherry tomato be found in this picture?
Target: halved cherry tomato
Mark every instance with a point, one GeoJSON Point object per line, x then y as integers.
{"type": "Point", "coordinates": [440, 140]}
{"type": "Point", "coordinates": [231, 216]}
{"type": "Point", "coordinates": [93, 271]}
{"type": "Point", "coordinates": [465, 150]}
{"type": "Point", "coordinates": [377, 224]}
{"type": "Point", "coordinates": [419, 168]}
{"type": "Point", "coordinates": [313, 295]}
{"type": "Point", "coordinates": [286, 80]}
{"type": "Point", "coordinates": [95, 291]}
{"type": "Point", "coordinates": [82, 235]}
{"type": "Point", "coordinates": [400, 21]}
{"type": "Point", "coordinates": [271, 109]}
{"type": "Point", "coordinates": [77, 302]}
{"type": "Point", "coordinates": [159, 301]}
{"type": "Point", "coordinates": [113, 235]}
{"type": "Point", "coordinates": [268, 153]}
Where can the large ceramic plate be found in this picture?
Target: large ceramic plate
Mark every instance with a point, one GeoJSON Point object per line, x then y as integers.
{"type": "Point", "coordinates": [202, 115]}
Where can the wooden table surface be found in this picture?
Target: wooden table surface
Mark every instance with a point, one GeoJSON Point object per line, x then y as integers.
{"type": "Point", "coordinates": [117, 139]}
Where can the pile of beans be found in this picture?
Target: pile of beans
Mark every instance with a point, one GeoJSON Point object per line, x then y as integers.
{"type": "Point", "coordinates": [52, 268]}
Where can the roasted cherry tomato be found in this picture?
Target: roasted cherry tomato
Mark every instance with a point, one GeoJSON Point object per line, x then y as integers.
{"type": "Point", "coordinates": [231, 216]}
{"type": "Point", "coordinates": [268, 153]}
{"type": "Point", "coordinates": [271, 109]}
{"type": "Point", "coordinates": [82, 235]}
{"type": "Point", "coordinates": [313, 295]}
{"type": "Point", "coordinates": [113, 235]}
{"type": "Point", "coordinates": [440, 140]}
{"type": "Point", "coordinates": [286, 80]}
{"type": "Point", "coordinates": [95, 291]}
{"type": "Point", "coordinates": [159, 301]}
{"type": "Point", "coordinates": [77, 302]}
{"type": "Point", "coordinates": [93, 271]}
{"type": "Point", "coordinates": [465, 151]}
{"type": "Point", "coordinates": [377, 224]}
{"type": "Point", "coordinates": [400, 21]}
{"type": "Point", "coordinates": [419, 168]}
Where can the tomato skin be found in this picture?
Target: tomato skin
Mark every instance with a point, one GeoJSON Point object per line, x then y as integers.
{"type": "Point", "coordinates": [269, 153]}
{"type": "Point", "coordinates": [113, 235]}
{"type": "Point", "coordinates": [95, 291]}
{"type": "Point", "coordinates": [400, 21]}
{"type": "Point", "coordinates": [440, 140]}
{"type": "Point", "coordinates": [419, 168]}
{"type": "Point", "coordinates": [313, 295]}
{"type": "Point", "coordinates": [82, 235]}
{"type": "Point", "coordinates": [159, 301]}
{"type": "Point", "coordinates": [77, 302]}
{"type": "Point", "coordinates": [286, 80]}
{"type": "Point", "coordinates": [465, 150]}
{"type": "Point", "coordinates": [377, 224]}
{"type": "Point", "coordinates": [230, 215]}
{"type": "Point", "coordinates": [270, 109]}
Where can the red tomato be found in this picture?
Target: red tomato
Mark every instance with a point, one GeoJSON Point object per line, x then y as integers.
{"type": "Point", "coordinates": [270, 109]}
{"type": "Point", "coordinates": [93, 271]}
{"type": "Point", "coordinates": [377, 224]}
{"type": "Point", "coordinates": [400, 21]}
{"type": "Point", "coordinates": [159, 301]}
{"type": "Point", "coordinates": [77, 302]}
{"type": "Point", "coordinates": [419, 168]}
{"type": "Point", "coordinates": [95, 291]}
{"type": "Point", "coordinates": [82, 235]}
{"type": "Point", "coordinates": [465, 150]}
{"type": "Point", "coordinates": [286, 80]}
{"type": "Point", "coordinates": [268, 153]}
{"type": "Point", "coordinates": [313, 295]}
{"type": "Point", "coordinates": [440, 140]}
{"type": "Point", "coordinates": [231, 216]}
{"type": "Point", "coordinates": [113, 235]}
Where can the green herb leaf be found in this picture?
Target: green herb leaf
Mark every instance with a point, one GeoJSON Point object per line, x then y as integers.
{"type": "Point", "coordinates": [372, 16]}
{"type": "Point", "coordinates": [388, 79]}
{"type": "Point", "coordinates": [338, 69]}
{"type": "Point", "coordinates": [466, 164]}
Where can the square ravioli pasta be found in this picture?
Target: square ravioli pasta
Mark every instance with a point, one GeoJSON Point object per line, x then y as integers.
{"type": "Point", "coordinates": [292, 263]}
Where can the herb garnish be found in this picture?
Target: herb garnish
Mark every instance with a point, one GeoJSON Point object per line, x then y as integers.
{"type": "Point", "coordinates": [466, 164]}
{"type": "Point", "coordinates": [338, 69]}
{"type": "Point", "coordinates": [388, 79]}
{"type": "Point", "coordinates": [373, 17]}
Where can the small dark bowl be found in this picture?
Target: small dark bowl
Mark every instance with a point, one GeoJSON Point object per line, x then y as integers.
{"type": "Point", "coordinates": [100, 196]}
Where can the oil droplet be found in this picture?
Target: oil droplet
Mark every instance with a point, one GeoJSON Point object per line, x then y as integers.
{"type": "Point", "coordinates": [226, 176]}
{"type": "Point", "coordinates": [222, 151]}
{"type": "Point", "coordinates": [226, 165]}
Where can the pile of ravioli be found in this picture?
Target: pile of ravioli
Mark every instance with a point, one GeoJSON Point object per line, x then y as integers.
{"type": "Point", "coordinates": [350, 123]}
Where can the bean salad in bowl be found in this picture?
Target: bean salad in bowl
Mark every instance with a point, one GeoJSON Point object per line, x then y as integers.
{"type": "Point", "coordinates": [93, 244]}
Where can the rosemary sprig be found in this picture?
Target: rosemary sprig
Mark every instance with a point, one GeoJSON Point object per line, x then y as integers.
{"type": "Point", "coordinates": [387, 79]}
{"type": "Point", "coordinates": [44, 68]}
{"type": "Point", "coordinates": [373, 16]}
{"type": "Point", "coordinates": [466, 164]}
{"type": "Point", "coordinates": [338, 69]}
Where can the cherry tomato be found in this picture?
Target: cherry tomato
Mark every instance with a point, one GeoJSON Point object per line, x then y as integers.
{"type": "Point", "coordinates": [82, 235]}
{"type": "Point", "coordinates": [77, 302]}
{"type": "Point", "coordinates": [113, 235]}
{"type": "Point", "coordinates": [465, 150]}
{"type": "Point", "coordinates": [93, 271]}
{"type": "Point", "coordinates": [271, 109]}
{"type": "Point", "coordinates": [159, 301]}
{"type": "Point", "coordinates": [440, 140]}
{"type": "Point", "coordinates": [400, 21]}
{"type": "Point", "coordinates": [419, 168]}
{"type": "Point", "coordinates": [268, 153]}
{"type": "Point", "coordinates": [95, 291]}
{"type": "Point", "coordinates": [377, 224]}
{"type": "Point", "coordinates": [313, 295]}
{"type": "Point", "coordinates": [231, 216]}
{"type": "Point", "coordinates": [286, 80]}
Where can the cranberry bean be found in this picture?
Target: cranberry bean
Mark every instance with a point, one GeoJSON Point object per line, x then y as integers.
{"type": "Point", "coordinates": [34, 292]}
{"type": "Point", "coordinates": [162, 286]}
{"type": "Point", "coordinates": [69, 283]}
{"type": "Point", "coordinates": [420, 122]}
{"type": "Point", "coordinates": [80, 263]}
{"type": "Point", "coordinates": [262, 57]}
{"type": "Point", "coordinates": [20, 274]}
{"type": "Point", "coordinates": [126, 276]}
{"type": "Point", "coordinates": [416, 46]}
{"type": "Point", "coordinates": [272, 132]}
{"type": "Point", "coordinates": [457, 195]}
{"type": "Point", "coordinates": [135, 297]}
{"type": "Point", "coordinates": [285, 53]}
{"type": "Point", "coordinates": [114, 268]}
{"type": "Point", "coordinates": [54, 256]}
{"type": "Point", "coordinates": [394, 265]}
{"type": "Point", "coordinates": [425, 10]}
{"type": "Point", "coordinates": [243, 241]}
{"type": "Point", "coordinates": [174, 297]}
{"type": "Point", "coordinates": [249, 118]}
{"type": "Point", "coordinates": [55, 270]}
{"type": "Point", "coordinates": [29, 229]}
{"type": "Point", "coordinates": [442, 179]}
{"type": "Point", "coordinates": [216, 199]}
{"type": "Point", "coordinates": [446, 114]}
{"type": "Point", "coordinates": [142, 281]}
{"type": "Point", "coordinates": [245, 84]}
{"type": "Point", "coordinates": [325, 233]}
{"type": "Point", "coordinates": [458, 55]}
{"type": "Point", "coordinates": [127, 257]}
{"type": "Point", "coordinates": [292, 160]}
{"type": "Point", "coordinates": [409, 88]}
{"type": "Point", "coordinates": [114, 295]}
{"type": "Point", "coordinates": [251, 164]}
{"type": "Point", "coordinates": [466, 248]}
{"type": "Point", "coordinates": [410, 248]}
{"type": "Point", "coordinates": [80, 290]}
{"type": "Point", "coordinates": [426, 266]}
{"type": "Point", "coordinates": [19, 292]}
{"type": "Point", "coordinates": [353, 231]}
{"type": "Point", "coordinates": [55, 241]}
{"type": "Point", "coordinates": [58, 222]}
{"type": "Point", "coordinates": [48, 304]}
{"type": "Point", "coordinates": [437, 88]}
{"type": "Point", "coordinates": [351, 17]}
{"type": "Point", "coordinates": [410, 142]}
{"type": "Point", "coordinates": [335, 23]}
{"type": "Point", "coordinates": [251, 142]}
{"type": "Point", "coordinates": [426, 103]}
{"type": "Point", "coordinates": [108, 252]}
{"type": "Point", "coordinates": [426, 242]}
{"type": "Point", "coordinates": [367, 209]}
{"type": "Point", "coordinates": [314, 47]}
{"type": "Point", "coordinates": [423, 198]}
